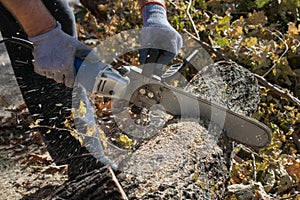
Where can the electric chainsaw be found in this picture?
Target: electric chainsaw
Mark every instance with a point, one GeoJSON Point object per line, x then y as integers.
{"type": "Point", "coordinates": [144, 89]}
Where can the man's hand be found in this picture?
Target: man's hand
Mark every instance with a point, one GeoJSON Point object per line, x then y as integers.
{"type": "Point", "coordinates": [159, 40]}
{"type": "Point", "coordinates": [54, 50]}
{"type": "Point", "coordinates": [54, 53]}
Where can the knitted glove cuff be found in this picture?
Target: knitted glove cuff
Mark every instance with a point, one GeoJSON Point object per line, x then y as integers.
{"type": "Point", "coordinates": [155, 15]}
{"type": "Point", "coordinates": [159, 2]}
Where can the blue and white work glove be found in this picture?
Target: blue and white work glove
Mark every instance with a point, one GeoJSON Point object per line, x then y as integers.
{"type": "Point", "coordinates": [54, 54]}
{"type": "Point", "coordinates": [160, 42]}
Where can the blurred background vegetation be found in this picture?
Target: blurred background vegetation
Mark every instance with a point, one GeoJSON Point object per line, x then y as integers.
{"type": "Point", "coordinates": [262, 36]}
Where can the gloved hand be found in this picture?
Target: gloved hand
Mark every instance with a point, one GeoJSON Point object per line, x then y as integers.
{"type": "Point", "coordinates": [159, 40]}
{"type": "Point", "coordinates": [54, 54]}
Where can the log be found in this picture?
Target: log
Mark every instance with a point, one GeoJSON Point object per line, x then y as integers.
{"type": "Point", "coordinates": [182, 161]}
{"type": "Point", "coordinates": [97, 184]}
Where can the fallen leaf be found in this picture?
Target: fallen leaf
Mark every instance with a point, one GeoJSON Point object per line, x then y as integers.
{"type": "Point", "coordinates": [125, 140]}
{"type": "Point", "coordinates": [34, 158]}
{"type": "Point", "coordinates": [294, 170]}
{"type": "Point", "coordinates": [52, 169]}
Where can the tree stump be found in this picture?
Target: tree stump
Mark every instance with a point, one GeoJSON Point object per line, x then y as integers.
{"type": "Point", "coordinates": [182, 162]}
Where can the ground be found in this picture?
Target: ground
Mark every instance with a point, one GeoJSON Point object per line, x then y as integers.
{"type": "Point", "coordinates": [27, 171]}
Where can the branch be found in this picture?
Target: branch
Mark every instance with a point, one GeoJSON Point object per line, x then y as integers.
{"type": "Point", "coordinates": [191, 19]}
{"type": "Point", "coordinates": [175, 6]}
{"type": "Point", "coordinates": [234, 157]}
{"type": "Point", "coordinates": [208, 48]}
{"type": "Point", "coordinates": [296, 135]}
{"type": "Point", "coordinates": [278, 91]}
{"type": "Point", "coordinates": [285, 51]}
{"type": "Point", "coordinates": [114, 178]}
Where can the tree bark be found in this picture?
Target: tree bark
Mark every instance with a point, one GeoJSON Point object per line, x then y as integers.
{"type": "Point", "coordinates": [98, 184]}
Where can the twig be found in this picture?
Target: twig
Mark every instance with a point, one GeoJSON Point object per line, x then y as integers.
{"type": "Point", "coordinates": [286, 49]}
{"type": "Point", "coordinates": [36, 126]}
{"type": "Point", "coordinates": [208, 48]}
{"type": "Point", "coordinates": [253, 154]}
{"type": "Point", "coordinates": [237, 149]}
{"type": "Point", "coordinates": [296, 135]}
{"type": "Point", "coordinates": [191, 19]}
{"type": "Point", "coordinates": [254, 166]}
{"type": "Point", "coordinates": [232, 155]}
{"type": "Point", "coordinates": [123, 194]}
{"type": "Point", "coordinates": [5, 103]}
{"type": "Point", "coordinates": [174, 4]}
{"type": "Point", "coordinates": [277, 91]}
